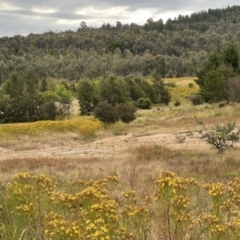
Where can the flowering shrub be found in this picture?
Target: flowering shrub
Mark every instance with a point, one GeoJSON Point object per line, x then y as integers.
{"type": "Point", "coordinates": [82, 126]}
{"type": "Point", "coordinates": [42, 207]}
{"type": "Point", "coordinates": [183, 91]}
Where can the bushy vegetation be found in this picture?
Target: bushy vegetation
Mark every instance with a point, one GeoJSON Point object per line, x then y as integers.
{"type": "Point", "coordinates": [144, 103]}
{"type": "Point", "coordinates": [221, 137]}
{"type": "Point", "coordinates": [196, 99]}
{"type": "Point", "coordinates": [23, 98]}
{"type": "Point", "coordinates": [87, 127]}
{"type": "Point", "coordinates": [177, 103]}
{"type": "Point", "coordinates": [108, 113]}
{"type": "Point", "coordinates": [126, 113]}
{"type": "Point", "coordinates": [120, 91]}
{"type": "Point", "coordinates": [216, 73]}
{"type": "Point", "coordinates": [43, 207]}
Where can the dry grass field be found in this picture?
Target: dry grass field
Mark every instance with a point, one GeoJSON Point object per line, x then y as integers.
{"type": "Point", "coordinates": [136, 154]}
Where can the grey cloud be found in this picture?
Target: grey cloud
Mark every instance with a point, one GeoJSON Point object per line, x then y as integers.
{"type": "Point", "coordinates": [133, 4]}
{"type": "Point", "coordinates": [27, 21]}
{"type": "Point", "coordinates": [20, 26]}
{"type": "Point", "coordinates": [57, 14]}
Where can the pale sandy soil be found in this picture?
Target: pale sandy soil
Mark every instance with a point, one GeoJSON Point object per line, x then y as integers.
{"type": "Point", "coordinates": [110, 146]}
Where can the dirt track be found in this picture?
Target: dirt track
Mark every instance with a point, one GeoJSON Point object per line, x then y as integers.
{"type": "Point", "coordinates": [112, 146]}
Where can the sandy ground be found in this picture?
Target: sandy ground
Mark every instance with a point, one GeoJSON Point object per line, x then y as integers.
{"type": "Point", "coordinates": [111, 146]}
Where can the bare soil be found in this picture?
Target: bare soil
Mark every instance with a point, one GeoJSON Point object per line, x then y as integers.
{"type": "Point", "coordinates": [109, 146]}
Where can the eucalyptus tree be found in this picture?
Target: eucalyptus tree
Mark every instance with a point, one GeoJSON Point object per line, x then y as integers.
{"type": "Point", "coordinates": [88, 96]}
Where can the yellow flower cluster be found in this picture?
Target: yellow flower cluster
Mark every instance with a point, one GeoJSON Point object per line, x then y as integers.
{"type": "Point", "coordinates": [85, 126]}
{"type": "Point", "coordinates": [41, 206]}
{"type": "Point", "coordinates": [209, 219]}
{"type": "Point", "coordinates": [58, 227]}
{"type": "Point", "coordinates": [168, 184]}
{"type": "Point", "coordinates": [215, 189]}
{"type": "Point", "coordinates": [183, 91]}
{"type": "Point", "coordinates": [180, 202]}
{"type": "Point", "coordinates": [234, 191]}
{"type": "Point", "coordinates": [26, 208]}
{"type": "Point", "coordinates": [214, 225]}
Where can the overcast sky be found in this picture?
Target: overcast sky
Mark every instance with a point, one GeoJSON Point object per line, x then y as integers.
{"type": "Point", "coordinates": [38, 16]}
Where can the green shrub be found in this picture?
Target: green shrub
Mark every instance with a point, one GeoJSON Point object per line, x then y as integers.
{"type": "Point", "coordinates": [144, 103]}
{"type": "Point", "coordinates": [190, 85]}
{"type": "Point", "coordinates": [220, 137]}
{"type": "Point", "coordinates": [177, 103]}
{"type": "Point", "coordinates": [222, 104]}
{"type": "Point", "coordinates": [126, 113]}
{"type": "Point", "coordinates": [196, 99]}
{"type": "Point", "coordinates": [106, 112]}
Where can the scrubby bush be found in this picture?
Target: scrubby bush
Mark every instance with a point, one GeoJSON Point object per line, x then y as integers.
{"type": "Point", "coordinates": [144, 103]}
{"type": "Point", "coordinates": [222, 104]}
{"type": "Point", "coordinates": [190, 85]}
{"type": "Point", "coordinates": [106, 112]}
{"type": "Point", "coordinates": [220, 137]}
{"type": "Point", "coordinates": [177, 103]}
{"type": "Point", "coordinates": [126, 113]}
{"type": "Point", "coordinates": [196, 99]}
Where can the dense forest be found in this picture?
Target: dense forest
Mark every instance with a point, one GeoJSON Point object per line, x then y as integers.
{"type": "Point", "coordinates": [176, 48]}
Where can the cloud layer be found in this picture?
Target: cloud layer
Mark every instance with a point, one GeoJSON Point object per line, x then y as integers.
{"type": "Point", "coordinates": [33, 16]}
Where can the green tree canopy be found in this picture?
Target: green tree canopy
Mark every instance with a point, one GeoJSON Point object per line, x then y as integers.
{"type": "Point", "coordinates": [14, 93]}
{"type": "Point", "coordinates": [88, 96]}
{"type": "Point", "coordinates": [213, 61]}
{"type": "Point", "coordinates": [215, 87]}
{"type": "Point", "coordinates": [114, 90]}
{"type": "Point", "coordinates": [231, 56]}
{"type": "Point", "coordinates": [216, 72]}
{"type": "Point", "coordinates": [22, 101]}
{"type": "Point", "coordinates": [161, 92]}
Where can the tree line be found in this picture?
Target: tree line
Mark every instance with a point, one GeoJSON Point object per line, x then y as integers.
{"type": "Point", "coordinates": [118, 90]}
{"type": "Point", "coordinates": [25, 98]}
{"type": "Point", "coordinates": [218, 77]}
{"type": "Point", "coordinates": [175, 49]}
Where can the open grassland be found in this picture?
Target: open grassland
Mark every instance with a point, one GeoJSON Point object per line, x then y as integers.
{"type": "Point", "coordinates": [78, 179]}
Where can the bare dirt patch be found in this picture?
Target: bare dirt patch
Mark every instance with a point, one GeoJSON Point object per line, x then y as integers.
{"type": "Point", "coordinates": [110, 146]}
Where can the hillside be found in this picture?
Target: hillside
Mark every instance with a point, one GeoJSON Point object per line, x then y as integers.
{"type": "Point", "coordinates": [175, 48]}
